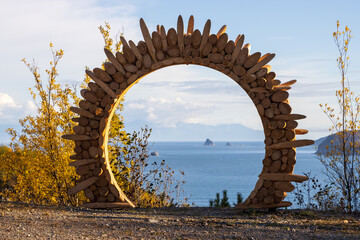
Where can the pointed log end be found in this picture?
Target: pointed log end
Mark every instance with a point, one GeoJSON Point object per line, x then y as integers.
{"type": "Point", "coordinates": [207, 24]}
{"type": "Point", "coordinates": [180, 20]}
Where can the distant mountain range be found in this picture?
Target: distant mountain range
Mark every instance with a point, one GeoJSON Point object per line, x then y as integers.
{"type": "Point", "coordinates": [199, 132]}
{"type": "Point", "coordinates": [321, 143]}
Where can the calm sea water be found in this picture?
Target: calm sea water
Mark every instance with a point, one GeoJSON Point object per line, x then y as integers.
{"type": "Point", "coordinates": [211, 169]}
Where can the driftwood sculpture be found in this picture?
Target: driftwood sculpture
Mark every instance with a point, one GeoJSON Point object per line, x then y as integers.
{"type": "Point", "coordinates": [161, 49]}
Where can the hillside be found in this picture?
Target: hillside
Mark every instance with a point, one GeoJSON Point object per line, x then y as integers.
{"type": "Point", "coordinates": [321, 143]}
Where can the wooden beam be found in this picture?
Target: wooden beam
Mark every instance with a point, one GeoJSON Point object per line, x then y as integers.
{"type": "Point", "coordinates": [291, 144]}
{"type": "Point", "coordinates": [82, 185]}
{"type": "Point", "coordinates": [121, 205]}
{"type": "Point", "coordinates": [147, 38]}
{"type": "Point", "coordinates": [190, 27]}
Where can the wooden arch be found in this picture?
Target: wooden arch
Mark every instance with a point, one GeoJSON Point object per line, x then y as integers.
{"type": "Point", "coordinates": [162, 49]}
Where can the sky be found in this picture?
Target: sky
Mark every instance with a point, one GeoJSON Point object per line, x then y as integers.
{"type": "Point", "coordinates": [298, 32]}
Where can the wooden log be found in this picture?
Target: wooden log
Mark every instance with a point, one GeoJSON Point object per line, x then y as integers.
{"type": "Point", "coordinates": [196, 39]}
{"type": "Point", "coordinates": [288, 83]}
{"type": "Point", "coordinates": [89, 194]}
{"type": "Point", "coordinates": [249, 78]}
{"type": "Point", "coordinates": [206, 49]}
{"type": "Point", "coordinates": [109, 68]}
{"type": "Point", "coordinates": [173, 51]}
{"type": "Point", "coordinates": [283, 177]}
{"type": "Point", "coordinates": [114, 60]}
{"type": "Point", "coordinates": [301, 131]}
{"type": "Point", "coordinates": [239, 70]}
{"type": "Point", "coordinates": [132, 79]}
{"type": "Point", "coordinates": [180, 34]}
{"type": "Point", "coordinates": [276, 155]}
{"type": "Point", "coordinates": [291, 124]}
{"type": "Point", "coordinates": [103, 85]}
{"type": "Point", "coordinates": [83, 121]}
{"type": "Point", "coordinates": [262, 62]}
{"type": "Point", "coordinates": [289, 134]}
{"type": "Point", "coordinates": [82, 170]}
{"type": "Point", "coordinates": [76, 137]}
{"type": "Point", "coordinates": [290, 117]}
{"type": "Point", "coordinates": [280, 194]}
{"type": "Point", "coordinates": [284, 108]}
{"type": "Point", "coordinates": [190, 27]}
{"type": "Point", "coordinates": [238, 45]}
{"type": "Point", "coordinates": [270, 76]}
{"type": "Point", "coordinates": [130, 68]}
{"type": "Point", "coordinates": [284, 186]}
{"type": "Point", "coordinates": [291, 144]}
{"type": "Point", "coordinates": [79, 130]}
{"type": "Point", "coordinates": [163, 38]}
{"type": "Point", "coordinates": [262, 72]}
{"type": "Point", "coordinates": [269, 199]}
{"type": "Point", "coordinates": [221, 42]}
{"type": "Point", "coordinates": [221, 31]}
{"type": "Point", "coordinates": [205, 35]}
{"type": "Point", "coordinates": [216, 58]}
{"type": "Point", "coordinates": [275, 166]}
{"type": "Point", "coordinates": [279, 87]}
{"type": "Point", "coordinates": [129, 54]}
{"type": "Point", "coordinates": [280, 96]}
{"type": "Point", "coordinates": [171, 37]}
{"type": "Point", "coordinates": [243, 55]}
{"type": "Point", "coordinates": [212, 39]}
{"type": "Point", "coordinates": [82, 162]}
{"type": "Point", "coordinates": [84, 104]}
{"type": "Point", "coordinates": [269, 113]}
{"type": "Point", "coordinates": [123, 41]}
{"type": "Point", "coordinates": [83, 112]}
{"type": "Point", "coordinates": [135, 50]}
{"type": "Point", "coordinates": [156, 40]}
{"type": "Point", "coordinates": [229, 48]}
{"type": "Point", "coordinates": [142, 47]}
{"type": "Point", "coordinates": [252, 60]}
{"type": "Point", "coordinates": [82, 185]}
{"type": "Point", "coordinates": [103, 205]}
{"type": "Point", "coordinates": [102, 75]}
{"type": "Point", "coordinates": [147, 38]}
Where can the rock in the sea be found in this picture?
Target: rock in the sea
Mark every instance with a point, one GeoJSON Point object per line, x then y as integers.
{"type": "Point", "coordinates": [228, 144]}
{"type": "Point", "coordinates": [208, 142]}
{"type": "Point", "coordinates": [155, 153]}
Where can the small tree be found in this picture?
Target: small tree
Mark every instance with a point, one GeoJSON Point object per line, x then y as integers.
{"type": "Point", "coordinates": [341, 159]}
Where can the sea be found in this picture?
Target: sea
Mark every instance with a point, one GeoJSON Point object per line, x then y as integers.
{"type": "Point", "coordinates": [212, 169]}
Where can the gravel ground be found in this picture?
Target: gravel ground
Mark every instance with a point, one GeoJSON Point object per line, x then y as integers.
{"type": "Point", "coordinates": [23, 221]}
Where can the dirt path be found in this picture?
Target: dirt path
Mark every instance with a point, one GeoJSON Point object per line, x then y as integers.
{"type": "Point", "coordinates": [21, 221]}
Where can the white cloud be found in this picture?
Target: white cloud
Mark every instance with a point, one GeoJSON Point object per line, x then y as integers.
{"type": "Point", "coordinates": [7, 102]}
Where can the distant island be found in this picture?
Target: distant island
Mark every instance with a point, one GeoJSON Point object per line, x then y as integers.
{"type": "Point", "coordinates": [155, 153]}
{"type": "Point", "coordinates": [208, 142]}
{"type": "Point", "coordinates": [228, 144]}
{"type": "Point", "coordinates": [321, 143]}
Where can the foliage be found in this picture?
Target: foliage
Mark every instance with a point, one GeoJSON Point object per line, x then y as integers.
{"type": "Point", "coordinates": [223, 202]}
{"type": "Point", "coordinates": [36, 166]}
{"type": "Point", "coordinates": [341, 159]}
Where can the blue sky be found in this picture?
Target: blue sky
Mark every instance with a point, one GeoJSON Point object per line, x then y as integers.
{"type": "Point", "coordinates": [299, 32]}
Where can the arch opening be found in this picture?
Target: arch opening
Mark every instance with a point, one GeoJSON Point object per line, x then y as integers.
{"type": "Point", "coordinates": [162, 50]}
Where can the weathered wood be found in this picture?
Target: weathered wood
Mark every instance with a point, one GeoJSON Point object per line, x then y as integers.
{"type": "Point", "coordinates": [280, 96]}
{"type": "Point", "coordinates": [103, 85]}
{"type": "Point", "coordinates": [123, 41]}
{"type": "Point", "coordinates": [238, 45]}
{"type": "Point", "coordinates": [196, 39]}
{"type": "Point", "coordinates": [284, 186]}
{"type": "Point", "coordinates": [121, 58]}
{"type": "Point", "coordinates": [147, 38]}
{"type": "Point", "coordinates": [76, 137]}
{"type": "Point", "coordinates": [216, 58]}
{"type": "Point", "coordinates": [262, 62]}
{"type": "Point", "coordinates": [129, 54]}
{"type": "Point", "coordinates": [239, 70]}
{"type": "Point", "coordinates": [243, 55]}
{"type": "Point", "coordinates": [288, 83]}
{"type": "Point", "coordinates": [114, 60]}
{"type": "Point", "coordinates": [301, 131]}
{"type": "Point", "coordinates": [102, 75]}
{"type": "Point", "coordinates": [135, 50]}
{"type": "Point", "coordinates": [205, 35]}
{"type": "Point", "coordinates": [163, 38]}
{"type": "Point", "coordinates": [101, 205]}
{"type": "Point", "coordinates": [229, 48]}
{"type": "Point", "coordinates": [190, 27]}
{"type": "Point", "coordinates": [109, 68]}
{"type": "Point", "coordinates": [221, 31]}
{"type": "Point", "coordinates": [252, 60]}
{"type": "Point", "coordinates": [221, 42]}
{"type": "Point", "coordinates": [82, 162]}
{"type": "Point", "coordinates": [172, 37]}
{"type": "Point", "coordinates": [284, 108]}
{"type": "Point", "coordinates": [82, 185]}
{"type": "Point", "coordinates": [283, 177]}
{"type": "Point", "coordinates": [89, 194]}
{"type": "Point", "coordinates": [291, 124]}
{"type": "Point", "coordinates": [291, 144]}
{"type": "Point", "coordinates": [290, 117]}
{"type": "Point", "coordinates": [82, 112]}
{"type": "Point", "coordinates": [180, 34]}
{"type": "Point", "coordinates": [275, 166]}
{"type": "Point", "coordinates": [142, 47]}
